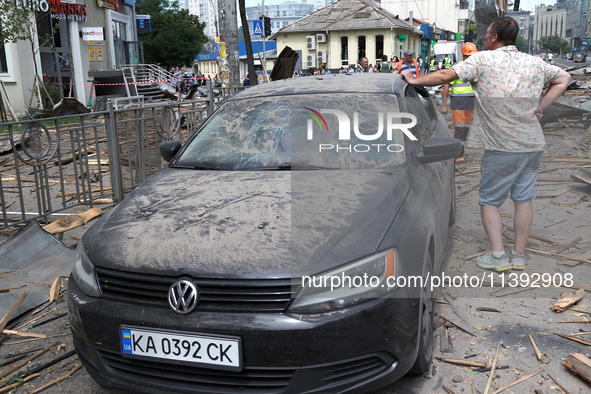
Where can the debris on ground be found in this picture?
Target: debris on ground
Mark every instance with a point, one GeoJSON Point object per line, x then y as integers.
{"type": "Point", "coordinates": [579, 365]}
{"type": "Point", "coordinates": [567, 300]}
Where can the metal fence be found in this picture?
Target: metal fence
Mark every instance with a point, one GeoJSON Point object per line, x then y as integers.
{"type": "Point", "coordinates": [58, 166]}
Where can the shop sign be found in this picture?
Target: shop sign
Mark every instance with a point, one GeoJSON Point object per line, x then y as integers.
{"type": "Point", "coordinates": [92, 33]}
{"type": "Point", "coordinates": [59, 10]}
{"type": "Point", "coordinates": [110, 4]}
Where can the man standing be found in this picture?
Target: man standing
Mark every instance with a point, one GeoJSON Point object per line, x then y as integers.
{"type": "Point", "coordinates": [462, 101]}
{"type": "Point", "coordinates": [434, 65]}
{"type": "Point", "coordinates": [508, 85]}
{"type": "Point", "coordinates": [408, 63]}
{"type": "Point", "coordinates": [446, 62]}
{"type": "Point", "coordinates": [363, 66]}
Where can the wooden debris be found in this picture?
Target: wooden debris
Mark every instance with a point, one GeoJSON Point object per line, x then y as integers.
{"type": "Point", "coordinates": [461, 328]}
{"type": "Point", "coordinates": [447, 389]}
{"type": "Point", "coordinates": [72, 221]}
{"type": "Point", "coordinates": [574, 321]}
{"type": "Point", "coordinates": [557, 255]}
{"type": "Point", "coordinates": [462, 362]}
{"type": "Point", "coordinates": [580, 365]}
{"type": "Point", "coordinates": [558, 384]}
{"type": "Point", "coordinates": [11, 311]}
{"type": "Point", "coordinates": [517, 382]}
{"type": "Point", "coordinates": [549, 241]}
{"type": "Point", "coordinates": [568, 299]}
{"type": "Point", "coordinates": [444, 342]}
{"type": "Point", "coordinates": [539, 355]}
{"type": "Point", "coordinates": [558, 193]}
{"type": "Point", "coordinates": [50, 319]}
{"type": "Point", "coordinates": [68, 375]}
{"type": "Point", "coordinates": [7, 289]}
{"type": "Point", "coordinates": [579, 340]}
{"type": "Point", "coordinates": [514, 291]}
{"type": "Point", "coordinates": [23, 334]}
{"type": "Point", "coordinates": [484, 309]}
{"type": "Point", "coordinates": [25, 380]}
{"type": "Point", "coordinates": [54, 291]}
{"type": "Point", "coordinates": [569, 245]}
{"type": "Point", "coordinates": [492, 370]}
{"type": "Point", "coordinates": [18, 366]}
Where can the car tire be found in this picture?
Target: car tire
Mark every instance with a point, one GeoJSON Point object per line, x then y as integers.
{"type": "Point", "coordinates": [452, 209]}
{"type": "Point", "coordinates": [425, 353]}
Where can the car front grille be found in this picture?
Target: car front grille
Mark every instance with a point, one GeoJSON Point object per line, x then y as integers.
{"type": "Point", "coordinates": [360, 369]}
{"type": "Point", "coordinates": [220, 295]}
{"type": "Point", "coordinates": [186, 378]}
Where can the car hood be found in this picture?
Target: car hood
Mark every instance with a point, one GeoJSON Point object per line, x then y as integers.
{"type": "Point", "coordinates": [248, 224]}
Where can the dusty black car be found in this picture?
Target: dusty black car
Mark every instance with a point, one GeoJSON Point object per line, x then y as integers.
{"type": "Point", "coordinates": [218, 274]}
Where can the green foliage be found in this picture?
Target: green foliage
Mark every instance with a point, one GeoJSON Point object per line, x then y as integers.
{"type": "Point", "coordinates": [521, 44]}
{"type": "Point", "coordinates": [177, 37]}
{"type": "Point", "coordinates": [13, 26]}
{"type": "Point", "coordinates": [555, 44]}
{"type": "Point", "coordinates": [53, 91]}
{"type": "Point", "coordinates": [472, 28]}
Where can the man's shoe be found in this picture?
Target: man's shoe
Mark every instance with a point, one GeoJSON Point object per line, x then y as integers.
{"type": "Point", "coordinates": [489, 262]}
{"type": "Point", "coordinates": [517, 260]}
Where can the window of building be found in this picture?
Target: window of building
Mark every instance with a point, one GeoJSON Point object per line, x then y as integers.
{"type": "Point", "coordinates": [361, 47]}
{"type": "Point", "coordinates": [379, 47]}
{"type": "Point", "coordinates": [463, 5]}
{"type": "Point", "coordinates": [3, 63]}
{"type": "Point", "coordinates": [344, 48]}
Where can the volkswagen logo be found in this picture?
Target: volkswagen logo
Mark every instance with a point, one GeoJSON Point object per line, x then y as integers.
{"type": "Point", "coordinates": [182, 296]}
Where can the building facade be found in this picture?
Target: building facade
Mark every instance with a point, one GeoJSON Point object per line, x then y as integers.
{"type": "Point", "coordinates": [66, 50]}
{"type": "Point", "coordinates": [451, 15]}
{"type": "Point", "coordinates": [281, 15]}
{"type": "Point", "coordinates": [525, 19]}
{"type": "Point", "coordinates": [550, 21]}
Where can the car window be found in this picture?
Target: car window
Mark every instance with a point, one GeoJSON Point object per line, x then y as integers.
{"type": "Point", "coordinates": [415, 105]}
{"type": "Point", "coordinates": [327, 131]}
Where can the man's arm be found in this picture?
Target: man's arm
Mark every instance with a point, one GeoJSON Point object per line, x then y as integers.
{"type": "Point", "coordinates": [440, 77]}
{"type": "Point", "coordinates": [557, 87]}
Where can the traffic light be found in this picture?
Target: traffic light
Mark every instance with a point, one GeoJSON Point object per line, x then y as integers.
{"type": "Point", "coordinates": [267, 26]}
{"type": "Point", "coordinates": [516, 5]}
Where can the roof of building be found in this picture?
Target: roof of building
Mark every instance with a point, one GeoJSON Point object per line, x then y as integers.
{"type": "Point", "coordinates": [348, 15]}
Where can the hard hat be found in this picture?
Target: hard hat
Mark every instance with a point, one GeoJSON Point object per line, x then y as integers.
{"type": "Point", "coordinates": [469, 49]}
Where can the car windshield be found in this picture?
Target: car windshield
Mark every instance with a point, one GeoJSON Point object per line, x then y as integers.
{"type": "Point", "coordinates": [314, 132]}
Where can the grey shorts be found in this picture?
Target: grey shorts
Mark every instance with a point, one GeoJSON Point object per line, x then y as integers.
{"type": "Point", "coordinates": [503, 172]}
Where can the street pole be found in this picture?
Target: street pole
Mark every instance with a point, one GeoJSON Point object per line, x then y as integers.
{"type": "Point", "coordinates": [229, 34]}
{"type": "Point", "coordinates": [264, 40]}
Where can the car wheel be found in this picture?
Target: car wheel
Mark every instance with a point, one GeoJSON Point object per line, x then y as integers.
{"type": "Point", "coordinates": [452, 209]}
{"type": "Point", "coordinates": [425, 354]}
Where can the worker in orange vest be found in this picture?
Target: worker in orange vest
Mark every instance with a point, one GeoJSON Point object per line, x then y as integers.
{"type": "Point", "coordinates": [408, 63]}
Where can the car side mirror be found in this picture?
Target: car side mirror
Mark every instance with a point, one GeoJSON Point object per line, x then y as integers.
{"type": "Point", "coordinates": [169, 149]}
{"type": "Point", "coordinates": [439, 149]}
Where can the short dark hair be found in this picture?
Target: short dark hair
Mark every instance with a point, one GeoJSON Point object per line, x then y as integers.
{"type": "Point", "coordinates": [506, 29]}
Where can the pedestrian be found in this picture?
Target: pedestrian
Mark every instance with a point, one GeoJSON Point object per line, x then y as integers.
{"type": "Point", "coordinates": [385, 66]}
{"type": "Point", "coordinates": [509, 105]}
{"type": "Point", "coordinates": [363, 66]}
{"type": "Point", "coordinates": [420, 62]}
{"type": "Point", "coordinates": [446, 62]}
{"type": "Point", "coordinates": [408, 63]}
{"type": "Point", "coordinates": [342, 70]}
{"type": "Point", "coordinates": [550, 57]}
{"type": "Point", "coordinates": [351, 69]}
{"type": "Point", "coordinates": [433, 65]}
{"type": "Point", "coordinates": [462, 101]}
{"type": "Point", "coordinates": [543, 56]}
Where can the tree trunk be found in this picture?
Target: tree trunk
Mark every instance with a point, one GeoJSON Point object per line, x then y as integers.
{"type": "Point", "coordinates": [252, 77]}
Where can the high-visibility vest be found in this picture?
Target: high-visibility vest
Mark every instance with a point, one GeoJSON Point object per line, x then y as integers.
{"type": "Point", "coordinates": [385, 67]}
{"type": "Point", "coordinates": [433, 65]}
{"type": "Point", "coordinates": [447, 63]}
{"type": "Point", "coordinates": [418, 70]}
{"type": "Point", "coordinates": [461, 89]}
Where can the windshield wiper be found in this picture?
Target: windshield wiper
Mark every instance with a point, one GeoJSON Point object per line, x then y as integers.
{"type": "Point", "coordinates": [196, 167]}
{"type": "Point", "coordinates": [291, 167]}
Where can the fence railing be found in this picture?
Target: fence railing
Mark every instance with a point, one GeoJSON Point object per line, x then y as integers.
{"type": "Point", "coordinates": [72, 163]}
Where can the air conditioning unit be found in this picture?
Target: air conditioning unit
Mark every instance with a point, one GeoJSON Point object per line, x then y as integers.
{"type": "Point", "coordinates": [321, 37]}
{"type": "Point", "coordinates": [345, 63]}
{"type": "Point", "coordinates": [310, 61]}
{"type": "Point", "coordinates": [321, 56]}
{"type": "Point", "coordinates": [311, 43]}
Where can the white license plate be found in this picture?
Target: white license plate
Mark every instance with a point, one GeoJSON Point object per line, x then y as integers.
{"type": "Point", "coordinates": [209, 350]}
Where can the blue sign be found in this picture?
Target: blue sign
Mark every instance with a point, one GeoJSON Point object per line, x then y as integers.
{"type": "Point", "coordinates": [583, 48]}
{"type": "Point", "coordinates": [257, 27]}
{"type": "Point", "coordinates": [143, 23]}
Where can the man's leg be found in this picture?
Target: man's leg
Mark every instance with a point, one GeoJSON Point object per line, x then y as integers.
{"type": "Point", "coordinates": [522, 221]}
{"type": "Point", "coordinates": [493, 225]}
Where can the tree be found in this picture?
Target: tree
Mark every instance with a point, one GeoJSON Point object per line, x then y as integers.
{"type": "Point", "coordinates": [247, 43]}
{"type": "Point", "coordinates": [555, 44]}
{"type": "Point", "coordinates": [521, 44]}
{"type": "Point", "coordinates": [177, 37]}
{"type": "Point", "coordinates": [470, 28]}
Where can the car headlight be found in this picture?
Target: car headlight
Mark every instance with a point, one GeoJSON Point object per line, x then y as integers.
{"type": "Point", "coordinates": [83, 273]}
{"type": "Point", "coordinates": [368, 278]}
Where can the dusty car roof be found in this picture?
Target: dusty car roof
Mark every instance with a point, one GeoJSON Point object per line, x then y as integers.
{"type": "Point", "coordinates": [380, 83]}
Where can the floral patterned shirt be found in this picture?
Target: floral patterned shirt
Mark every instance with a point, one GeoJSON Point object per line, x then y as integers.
{"type": "Point", "coordinates": [508, 85]}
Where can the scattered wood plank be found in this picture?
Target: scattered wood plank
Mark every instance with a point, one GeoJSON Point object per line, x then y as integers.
{"type": "Point", "coordinates": [465, 363]}
{"type": "Point", "coordinates": [555, 179]}
{"type": "Point", "coordinates": [25, 380]}
{"type": "Point", "coordinates": [514, 291]}
{"type": "Point", "coordinates": [54, 291]}
{"type": "Point", "coordinates": [72, 221]}
{"type": "Point", "coordinates": [447, 389]}
{"type": "Point", "coordinates": [68, 375]}
{"type": "Point", "coordinates": [548, 241]}
{"type": "Point", "coordinates": [470, 190]}
{"type": "Point", "coordinates": [23, 334]}
{"type": "Point", "coordinates": [35, 319]}
{"type": "Point", "coordinates": [558, 255]}
{"type": "Point", "coordinates": [558, 384]}
{"type": "Point", "coordinates": [517, 382]}
{"type": "Point", "coordinates": [579, 365]}
{"type": "Point", "coordinates": [50, 319]}
{"type": "Point", "coordinates": [568, 299]}
{"type": "Point", "coordinates": [6, 318]}
{"type": "Point", "coordinates": [569, 245]}
{"type": "Point", "coordinates": [558, 193]}
{"type": "Point", "coordinates": [459, 327]}
{"type": "Point", "coordinates": [18, 366]}
{"type": "Point", "coordinates": [579, 340]}
{"type": "Point", "coordinates": [574, 321]}
{"type": "Point", "coordinates": [539, 355]}
{"type": "Point", "coordinates": [492, 370]}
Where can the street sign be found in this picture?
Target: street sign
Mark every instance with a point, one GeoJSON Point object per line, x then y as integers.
{"type": "Point", "coordinates": [257, 27]}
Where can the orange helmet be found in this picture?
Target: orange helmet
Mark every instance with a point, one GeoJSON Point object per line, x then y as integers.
{"type": "Point", "coordinates": [469, 49]}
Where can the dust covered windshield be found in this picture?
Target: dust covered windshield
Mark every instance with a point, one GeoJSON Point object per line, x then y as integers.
{"type": "Point", "coordinates": [315, 131]}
